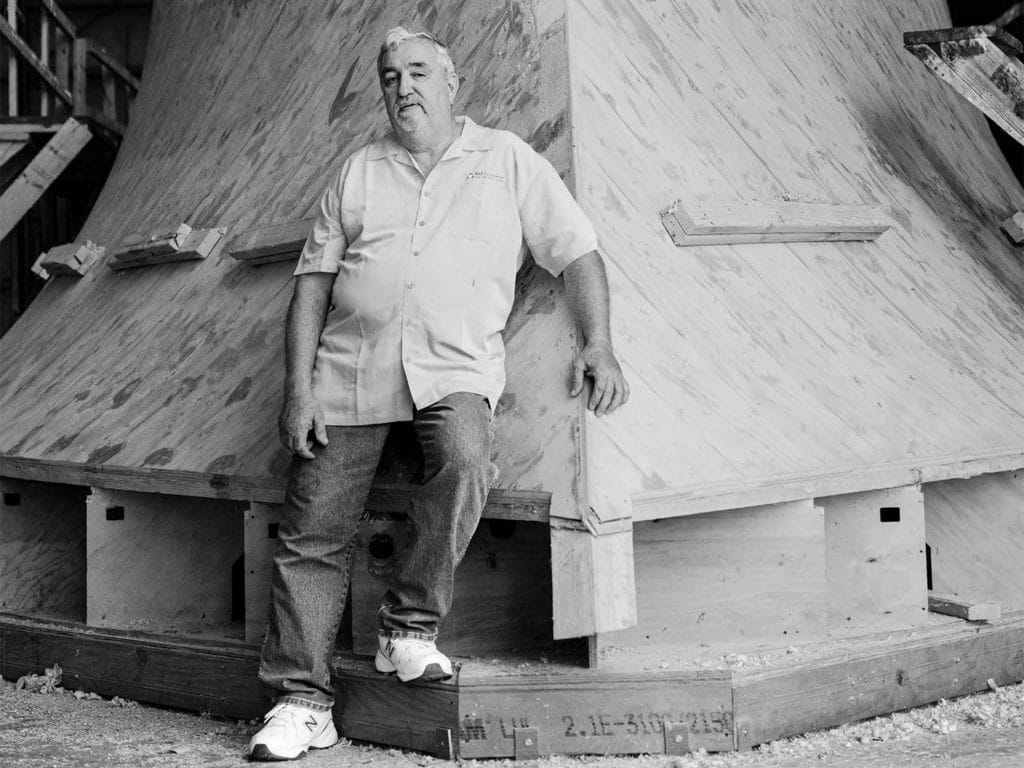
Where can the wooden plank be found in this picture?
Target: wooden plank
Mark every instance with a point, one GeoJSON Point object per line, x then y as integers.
{"type": "Point", "coordinates": [72, 259]}
{"type": "Point", "coordinates": [112, 65]}
{"type": "Point", "coordinates": [934, 37]}
{"type": "Point", "coordinates": [12, 144]}
{"type": "Point", "coordinates": [29, 56]}
{"type": "Point", "coordinates": [976, 88]}
{"type": "Point", "coordinates": [1013, 228]}
{"type": "Point", "coordinates": [592, 713]}
{"type": "Point", "coordinates": [502, 590]}
{"type": "Point", "coordinates": [592, 582]}
{"type": "Point", "coordinates": [58, 16]}
{"type": "Point", "coordinates": [12, 61]}
{"type": "Point", "coordinates": [874, 561]}
{"type": "Point", "coordinates": [501, 504]}
{"type": "Point", "coordinates": [851, 686]}
{"type": "Point", "coordinates": [273, 242]}
{"type": "Point", "coordinates": [218, 678]}
{"type": "Point", "coordinates": [971, 610]}
{"type": "Point", "coordinates": [723, 222]}
{"type": "Point", "coordinates": [160, 560]}
{"type": "Point", "coordinates": [260, 536]}
{"type": "Point", "coordinates": [742, 577]}
{"type": "Point", "coordinates": [975, 532]}
{"type": "Point", "coordinates": [44, 169]}
{"type": "Point", "coordinates": [186, 244]}
{"type": "Point", "coordinates": [372, 707]}
{"type": "Point", "coordinates": [44, 59]}
{"type": "Point", "coordinates": [749, 492]}
{"type": "Point", "coordinates": [42, 548]}
{"type": "Point", "coordinates": [109, 107]}
{"type": "Point", "coordinates": [79, 82]}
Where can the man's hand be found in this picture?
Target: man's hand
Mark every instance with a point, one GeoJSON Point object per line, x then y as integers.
{"type": "Point", "coordinates": [301, 415]}
{"type": "Point", "coordinates": [597, 362]}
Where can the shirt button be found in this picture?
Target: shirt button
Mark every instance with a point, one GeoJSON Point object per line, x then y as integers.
{"type": "Point", "coordinates": [415, 253]}
{"type": "Point", "coordinates": [423, 223]}
{"type": "Point", "coordinates": [426, 194]}
{"type": "Point", "coordinates": [409, 285]}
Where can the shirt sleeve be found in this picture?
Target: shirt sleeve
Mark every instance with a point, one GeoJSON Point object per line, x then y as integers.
{"type": "Point", "coordinates": [555, 229]}
{"type": "Point", "coordinates": [326, 243]}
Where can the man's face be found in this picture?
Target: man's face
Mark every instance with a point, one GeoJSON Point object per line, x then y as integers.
{"type": "Point", "coordinates": [417, 93]}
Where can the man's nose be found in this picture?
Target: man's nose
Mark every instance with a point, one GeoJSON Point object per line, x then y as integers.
{"type": "Point", "coordinates": [404, 85]}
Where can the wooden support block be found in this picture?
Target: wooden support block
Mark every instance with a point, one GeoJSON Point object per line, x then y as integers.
{"type": "Point", "coordinates": [592, 581]}
{"type": "Point", "coordinates": [274, 242]}
{"type": "Point", "coordinates": [182, 244]}
{"type": "Point", "coordinates": [73, 259]}
{"type": "Point", "coordinates": [746, 576]}
{"type": "Point", "coordinates": [708, 222]}
{"type": "Point", "coordinates": [42, 549]}
{"type": "Point", "coordinates": [981, 71]}
{"type": "Point", "coordinates": [590, 713]}
{"type": "Point", "coordinates": [158, 560]}
{"type": "Point", "coordinates": [875, 561]}
{"type": "Point", "coordinates": [44, 169]}
{"type": "Point", "coordinates": [260, 534]}
{"type": "Point", "coordinates": [1013, 228]}
{"type": "Point", "coordinates": [897, 674]}
{"type": "Point", "coordinates": [975, 533]}
{"type": "Point", "coordinates": [950, 605]}
{"type": "Point", "coordinates": [502, 587]}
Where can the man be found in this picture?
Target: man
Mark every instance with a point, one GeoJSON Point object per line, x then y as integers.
{"type": "Point", "coordinates": [402, 291]}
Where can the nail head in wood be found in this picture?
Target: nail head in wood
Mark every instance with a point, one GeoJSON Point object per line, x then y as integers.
{"type": "Point", "coordinates": [527, 745]}
{"type": "Point", "coordinates": [677, 738]}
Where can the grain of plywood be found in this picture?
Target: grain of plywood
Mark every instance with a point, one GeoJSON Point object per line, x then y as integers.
{"type": "Point", "coordinates": [42, 548]}
{"type": "Point", "coordinates": [975, 532]}
{"type": "Point", "coordinates": [737, 577]}
{"type": "Point", "coordinates": [875, 559]}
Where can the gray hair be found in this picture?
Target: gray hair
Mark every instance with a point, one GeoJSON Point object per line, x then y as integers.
{"type": "Point", "coordinates": [398, 35]}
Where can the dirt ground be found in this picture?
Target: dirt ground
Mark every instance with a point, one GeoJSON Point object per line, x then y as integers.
{"type": "Point", "coordinates": [40, 730]}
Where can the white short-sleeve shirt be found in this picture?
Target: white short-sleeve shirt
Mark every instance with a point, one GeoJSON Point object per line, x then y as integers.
{"type": "Point", "coordinates": [426, 269]}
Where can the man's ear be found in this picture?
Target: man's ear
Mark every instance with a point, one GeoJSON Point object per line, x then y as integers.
{"type": "Point", "coordinates": [453, 87]}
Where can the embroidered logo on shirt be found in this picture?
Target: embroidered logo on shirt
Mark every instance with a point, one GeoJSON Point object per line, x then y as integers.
{"type": "Point", "coordinates": [485, 175]}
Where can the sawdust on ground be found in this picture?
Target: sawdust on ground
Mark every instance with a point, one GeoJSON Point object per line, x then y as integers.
{"type": "Point", "coordinates": [55, 728]}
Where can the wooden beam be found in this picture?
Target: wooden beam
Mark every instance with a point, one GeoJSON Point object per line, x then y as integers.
{"type": "Point", "coordinates": [72, 259]}
{"type": "Point", "coordinates": [982, 74]}
{"type": "Point", "coordinates": [950, 605]}
{"type": "Point", "coordinates": [1013, 228]}
{"type": "Point", "coordinates": [44, 169]}
{"type": "Point", "coordinates": [894, 672]}
{"type": "Point", "coordinates": [274, 242]}
{"type": "Point", "coordinates": [501, 504]}
{"type": "Point", "coordinates": [1005, 41]}
{"type": "Point", "coordinates": [708, 222]}
{"type": "Point", "coordinates": [185, 244]}
{"type": "Point", "coordinates": [711, 497]}
{"type": "Point", "coordinates": [111, 64]}
{"type": "Point", "coordinates": [593, 588]}
{"type": "Point", "coordinates": [58, 16]}
{"type": "Point", "coordinates": [29, 56]}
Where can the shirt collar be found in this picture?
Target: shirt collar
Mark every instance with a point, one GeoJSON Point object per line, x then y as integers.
{"type": "Point", "coordinates": [472, 139]}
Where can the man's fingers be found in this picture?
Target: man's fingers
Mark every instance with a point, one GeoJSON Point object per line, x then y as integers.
{"type": "Point", "coordinates": [578, 368]}
{"type": "Point", "coordinates": [618, 398]}
{"type": "Point", "coordinates": [319, 428]}
{"type": "Point", "coordinates": [598, 393]}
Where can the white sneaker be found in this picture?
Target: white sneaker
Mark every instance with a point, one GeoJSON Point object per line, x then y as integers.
{"type": "Point", "coordinates": [412, 659]}
{"type": "Point", "coordinates": [289, 730]}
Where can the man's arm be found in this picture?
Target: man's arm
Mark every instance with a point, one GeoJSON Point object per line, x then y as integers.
{"type": "Point", "coordinates": [301, 413]}
{"type": "Point", "coordinates": [586, 286]}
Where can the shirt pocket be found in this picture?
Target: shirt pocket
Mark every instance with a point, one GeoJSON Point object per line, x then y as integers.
{"type": "Point", "coordinates": [479, 210]}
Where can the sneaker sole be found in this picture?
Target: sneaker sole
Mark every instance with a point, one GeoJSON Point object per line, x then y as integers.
{"type": "Point", "coordinates": [261, 752]}
{"type": "Point", "coordinates": [432, 673]}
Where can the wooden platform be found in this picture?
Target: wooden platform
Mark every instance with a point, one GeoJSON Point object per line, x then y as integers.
{"type": "Point", "coordinates": [624, 709]}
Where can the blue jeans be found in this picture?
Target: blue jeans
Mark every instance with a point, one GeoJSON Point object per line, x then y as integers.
{"type": "Point", "coordinates": [324, 502]}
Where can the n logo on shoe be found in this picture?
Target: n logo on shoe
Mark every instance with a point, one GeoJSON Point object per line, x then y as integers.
{"type": "Point", "coordinates": [311, 724]}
